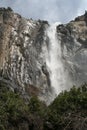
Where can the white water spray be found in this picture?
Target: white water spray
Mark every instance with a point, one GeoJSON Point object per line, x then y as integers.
{"type": "Point", "coordinates": [54, 61]}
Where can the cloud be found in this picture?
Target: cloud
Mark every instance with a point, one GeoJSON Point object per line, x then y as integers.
{"type": "Point", "coordinates": [51, 10]}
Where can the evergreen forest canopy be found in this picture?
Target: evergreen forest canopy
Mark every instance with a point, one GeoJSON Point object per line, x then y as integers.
{"type": "Point", "coordinates": [67, 112]}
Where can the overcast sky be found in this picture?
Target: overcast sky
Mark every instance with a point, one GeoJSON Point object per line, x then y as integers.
{"type": "Point", "coordinates": [52, 10]}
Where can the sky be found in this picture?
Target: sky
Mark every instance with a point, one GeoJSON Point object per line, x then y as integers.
{"type": "Point", "coordinates": [61, 11]}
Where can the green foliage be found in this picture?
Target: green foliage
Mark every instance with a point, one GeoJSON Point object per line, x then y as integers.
{"type": "Point", "coordinates": [36, 106]}
{"type": "Point", "coordinates": [14, 110]}
{"type": "Point", "coordinates": [74, 101]}
{"type": "Point", "coordinates": [75, 98]}
{"type": "Point", "coordinates": [12, 107]}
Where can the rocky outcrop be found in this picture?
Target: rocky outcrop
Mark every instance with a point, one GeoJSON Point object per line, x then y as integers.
{"type": "Point", "coordinates": [21, 59]}
{"type": "Point", "coordinates": [74, 48]}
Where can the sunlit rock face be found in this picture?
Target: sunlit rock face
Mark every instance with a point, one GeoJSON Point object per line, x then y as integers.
{"type": "Point", "coordinates": [26, 48]}
{"type": "Point", "coordinates": [21, 57]}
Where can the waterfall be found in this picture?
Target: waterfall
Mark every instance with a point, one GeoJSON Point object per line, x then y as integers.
{"type": "Point", "coordinates": [54, 62]}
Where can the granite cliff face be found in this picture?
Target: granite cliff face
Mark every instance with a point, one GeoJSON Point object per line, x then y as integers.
{"type": "Point", "coordinates": [24, 46]}
{"type": "Point", "coordinates": [21, 62]}
{"type": "Point", "coordinates": [74, 48]}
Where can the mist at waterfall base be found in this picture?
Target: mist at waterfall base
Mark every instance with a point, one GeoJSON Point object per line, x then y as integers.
{"type": "Point", "coordinates": [59, 77]}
